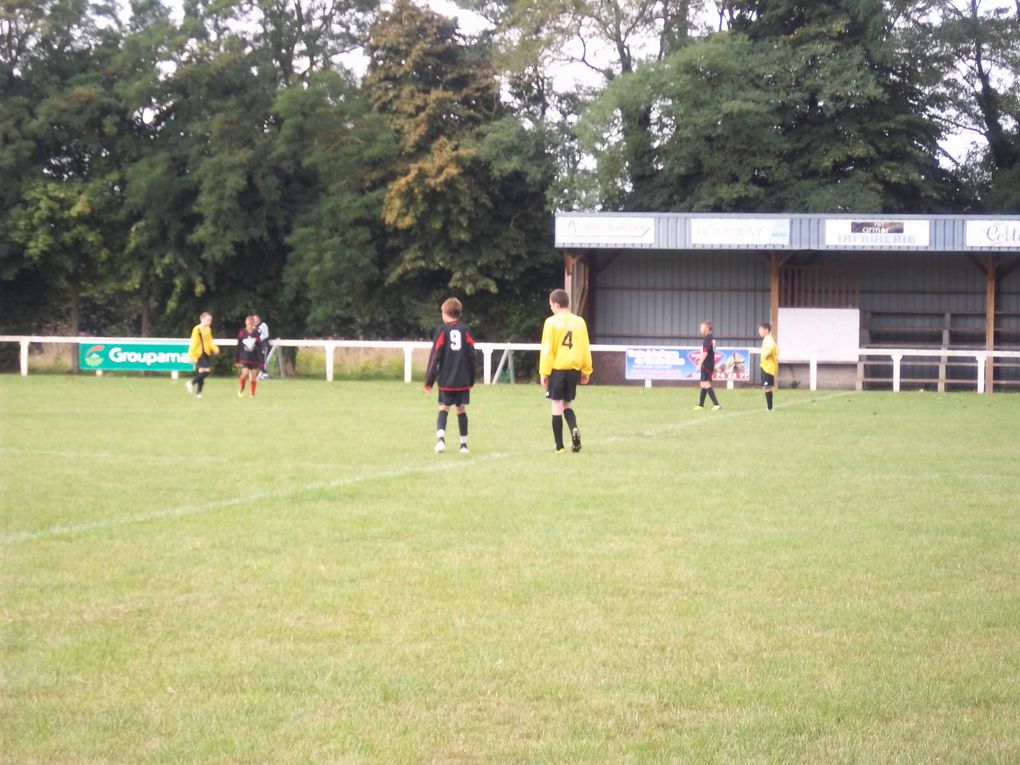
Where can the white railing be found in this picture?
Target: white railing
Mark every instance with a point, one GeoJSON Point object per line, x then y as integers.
{"type": "Point", "coordinates": [981, 358]}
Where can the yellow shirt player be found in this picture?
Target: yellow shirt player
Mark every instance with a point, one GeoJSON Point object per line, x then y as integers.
{"type": "Point", "coordinates": [769, 361]}
{"type": "Point", "coordinates": [201, 349]}
{"type": "Point", "coordinates": [565, 362]}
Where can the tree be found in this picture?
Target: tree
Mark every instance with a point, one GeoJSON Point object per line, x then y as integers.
{"type": "Point", "coordinates": [456, 216]}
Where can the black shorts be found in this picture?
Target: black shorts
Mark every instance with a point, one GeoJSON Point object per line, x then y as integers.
{"type": "Point", "coordinates": [767, 380]}
{"type": "Point", "coordinates": [454, 397]}
{"type": "Point", "coordinates": [204, 362]}
{"type": "Point", "coordinates": [563, 384]}
{"type": "Point", "coordinates": [706, 374]}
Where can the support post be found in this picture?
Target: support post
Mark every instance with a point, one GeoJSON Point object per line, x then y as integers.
{"type": "Point", "coordinates": [775, 263]}
{"type": "Point", "coordinates": [991, 277]}
{"type": "Point", "coordinates": [813, 374]}
{"type": "Point", "coordinates": [487, 366]}
{"type": "Point", "coordinates": [896, 359]}
{"type": "Point", "coordinates": [408, 362]}
{"type": "Point", "coordinates": [23, 357]}
{"type": "Point", "coordinates": [981, 382]}
{"type": "Point", "coordinates": [330, 349]}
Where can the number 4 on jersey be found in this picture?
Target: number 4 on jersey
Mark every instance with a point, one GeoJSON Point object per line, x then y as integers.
{"type": "Point", "coordinates": [568, 340]}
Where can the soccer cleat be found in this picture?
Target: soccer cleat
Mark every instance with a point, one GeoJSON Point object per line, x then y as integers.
{"type": "Point", "coordinates": [440, 446]}
{"type": "Point", "coordinates": [198, 395]}
{"type": "Point", "coordinates": [240, 393]}
{"type": "Point", "coordinates": [189, 386]}
{"type": "Point", "coordinates": [560, 450]}
{"type": "Point", "coordinates": [575, 440]}
{"type": "Point", "coordinates": [464, 449]}
{"type": "Point", "coordinates": [716, 408]}
{"type": "Point", "coordinates": [698, 408]}
{"type": "Point", "coordinates": [251, 395]}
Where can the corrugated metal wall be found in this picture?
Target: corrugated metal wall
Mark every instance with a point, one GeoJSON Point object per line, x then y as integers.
{"type": "Point", "coordinates": [661, 297]}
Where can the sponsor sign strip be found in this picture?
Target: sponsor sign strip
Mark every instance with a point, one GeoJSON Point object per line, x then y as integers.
{"type": "Point", "coordinates": [135, 357]}
{"type": "Point", "coordinates": [680, 364]}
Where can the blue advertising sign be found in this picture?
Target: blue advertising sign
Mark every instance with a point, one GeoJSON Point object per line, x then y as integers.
{"type": "Point", "coordinates": [681, 364]}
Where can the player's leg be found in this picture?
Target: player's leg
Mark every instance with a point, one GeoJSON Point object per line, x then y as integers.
{"type": "Point", "coordinates": [701, 397]}
{"type": "Point", "coordinates": [767, 385]}
{"type": "Point", "coordinates": [444, 413]}
{"type": "Point", "coordinates": [253, 375]}
{"type": "Point", "coordinates": [711, 395]}
{"type": "Point", "coordinates": [462, 426]}
{"type": "Point", "coordinates": [243, 380]}
{"type": "Point", "coordinates": [570, 393]}
{"type": "Point", "coordinates": [557, 423]}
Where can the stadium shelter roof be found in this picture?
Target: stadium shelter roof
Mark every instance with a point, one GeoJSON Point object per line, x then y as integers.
{"type": "Point", "coordinates": [781, 232]}
{"type": "Point", "coordinates": [592, 242]}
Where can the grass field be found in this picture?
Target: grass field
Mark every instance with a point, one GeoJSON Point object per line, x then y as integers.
{"type": "Point", "coordinates": [299, 579]}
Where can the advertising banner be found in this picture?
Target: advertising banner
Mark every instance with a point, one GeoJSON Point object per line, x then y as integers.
{"type": "Point", "coordinates": [135, 357]}
{"type": "Point", "coordinates": [993, 233]}
{"type": "Point", "coordinates": [841, 232]}
{"type": "Point", "coordinates": [741, 232]}
{"type": "Point", "coordinates": [574, 231]}
{"type": "Point", "coordinates": [681, 364]}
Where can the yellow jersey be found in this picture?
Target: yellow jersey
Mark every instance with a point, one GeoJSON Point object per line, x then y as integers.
{"type": "Point", "coordinates": [769, 355]}
{"type": "Point", "coordinates": [201, 342]}
{"type": "Point", "coordinates": [565, 344]}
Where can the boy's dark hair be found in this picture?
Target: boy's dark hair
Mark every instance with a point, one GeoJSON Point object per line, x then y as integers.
{"type": "Point", "coordinates": [766, 326]}
{"type": "Point", "coordinates": [452, 308]}
{"type": "Point", "coordinates": [560, 298]}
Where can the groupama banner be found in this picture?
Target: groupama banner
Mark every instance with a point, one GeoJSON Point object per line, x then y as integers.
{"type": "Point", "coordinates": [137, 357]}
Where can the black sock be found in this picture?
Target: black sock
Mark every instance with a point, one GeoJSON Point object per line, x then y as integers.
{"type": "Point", "coordinates": [441, 423]}
{"type": "Point", "coordinates": [768, 398]}
{"type": "Point", "coordinates": [557, 423]}
{"type": "Point", "coordinates": [711, 395]}
{"type": "Point", "coordinates": [200, 380]}
{"type": "Point", "coordinates": [462, 426]}
{"type": "Point", "coordinates": [701, 400]}
{"type": "Point", "coordinates": [571, 418]}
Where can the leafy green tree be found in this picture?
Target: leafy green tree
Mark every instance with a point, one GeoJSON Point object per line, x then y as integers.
{"type": "Point", "coordinates": [462, 212]}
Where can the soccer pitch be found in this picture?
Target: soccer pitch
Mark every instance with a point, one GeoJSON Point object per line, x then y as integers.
{"type": "Point", "coordinates": [298, 578]}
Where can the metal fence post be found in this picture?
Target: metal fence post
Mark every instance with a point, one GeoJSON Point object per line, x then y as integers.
{"type": "Point", "coordinates": [896, 359]}
{"type": "Point", "coordinates": [408, 358]}
{"type": "Point", "coordinates": [330, 349]}
{"type": "Point", "coordinates": [981, 358]}
{"type": "Point", "coordinates": [23, 358]}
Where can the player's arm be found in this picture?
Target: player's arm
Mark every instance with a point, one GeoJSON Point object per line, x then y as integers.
{"type": "Point", "coordinates": [470, 341]}
{"type": "Point", "coordinates": [547, 354]}
{"type": "Point", "coordinates": [586, 365]}
{"type": "Point", "coordinates": [212, 344]}
{"type": "Point", "coordinates": [432, 369]}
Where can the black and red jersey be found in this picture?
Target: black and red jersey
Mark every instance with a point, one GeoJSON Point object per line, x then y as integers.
{"type": "Point", "coordinates": [248, 346]}
{"type": "Point", "coordinates": [452, 359]}
{"type": "Point", "coordinates": [708, 348]}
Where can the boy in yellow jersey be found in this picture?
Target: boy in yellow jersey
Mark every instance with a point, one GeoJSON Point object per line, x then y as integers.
{"type": "Point", "coordinates": [201, 349]}
{"type": "Point", "coordinates": [564, 362]}
{"type": "Point", "coordinates": [769, 361]}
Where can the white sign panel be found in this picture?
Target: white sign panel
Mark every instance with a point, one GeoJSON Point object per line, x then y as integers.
{"type": "Point", "coordinates": [876, 232]}
{"type": "Point", "coordinates": [737, 232]}
{"type": "Point", "coordinates": [823, 334]}
{"type": "Point", "coordinates": [602, 230]}
{"type": "Point", "coordinates": [993, 233]}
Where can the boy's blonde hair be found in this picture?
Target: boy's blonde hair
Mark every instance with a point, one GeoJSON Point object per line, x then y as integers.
{"type": "Point", "coordinates": [452, 308]}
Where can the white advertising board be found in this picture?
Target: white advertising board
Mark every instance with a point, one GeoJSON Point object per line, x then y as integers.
{"type": "Point", "coordinates": [741, 232]}
{"type": "Point", "coordinates": [591, 230]}
{"type": "Point", "coordinates": [876, 232]}
{"type": "Point", "coordinates": [993, 233]}
{"type": "Point", "coordinates": [824, 334]}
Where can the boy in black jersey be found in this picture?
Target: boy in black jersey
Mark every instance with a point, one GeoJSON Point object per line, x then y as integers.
{"type": "Point", "coordinates": [452, 364]}
{"type": "Point", "coordinates": [706, 363]}
{"type": "Point", "coordinates": [248, 354]}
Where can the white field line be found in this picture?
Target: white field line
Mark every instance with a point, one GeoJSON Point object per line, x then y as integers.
{"type": "Point", "coordinates": [704, 418]}
{"type": "Point", "coordinates": [244, 499]}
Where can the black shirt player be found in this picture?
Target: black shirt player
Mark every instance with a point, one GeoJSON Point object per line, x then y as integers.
{"type": "Point", "coordinates": [706, 363]}
{"type": "Point", "coordinates": [452, 365]}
